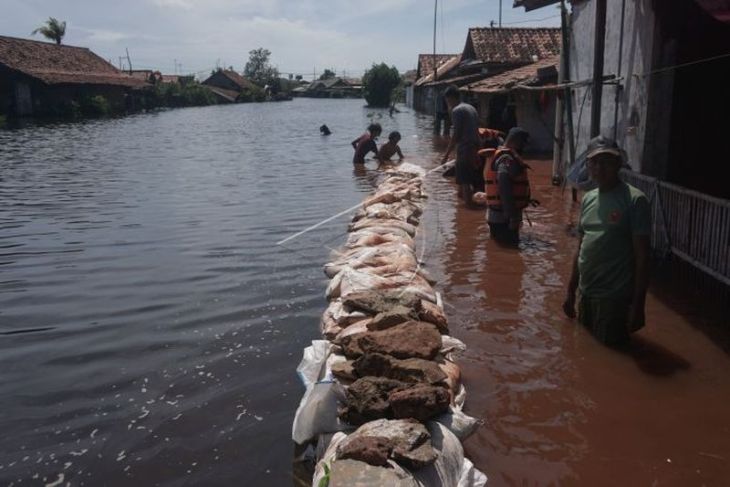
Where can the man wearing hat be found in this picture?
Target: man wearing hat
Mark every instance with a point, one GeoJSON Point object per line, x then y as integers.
{"type": "Point", "coordinates": [507, 187]}
{"type": "Point", "coordinates": [611, 265]}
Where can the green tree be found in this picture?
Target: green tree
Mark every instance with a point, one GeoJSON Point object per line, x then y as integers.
{"type": "Point", "coordinates": [378, 84]}
{"type": "Point", "coordinates": [54, 30]}
{"type": "Point", "coordinates": [328, 74]}
{"type": "Point", "coordinates": [258, 69]}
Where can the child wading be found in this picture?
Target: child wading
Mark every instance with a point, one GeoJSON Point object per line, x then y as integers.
{"type": "Point", "coordinates": [366, 143]}
{"type": "Point", "coordinates": [390, 148]}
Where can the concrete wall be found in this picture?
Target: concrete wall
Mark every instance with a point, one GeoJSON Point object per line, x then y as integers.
{"type": "Point", "coordinates": [630, 131]}
{"type": "Point", "coordinates": [539, 122]}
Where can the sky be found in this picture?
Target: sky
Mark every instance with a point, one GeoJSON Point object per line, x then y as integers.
{"type": "Point", "coordinates": [304, 36]}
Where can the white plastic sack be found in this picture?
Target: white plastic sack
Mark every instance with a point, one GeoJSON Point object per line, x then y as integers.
{"type": "Point", "coordinates": [317, 411]}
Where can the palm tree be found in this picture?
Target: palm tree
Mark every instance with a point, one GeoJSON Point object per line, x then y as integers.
{"type": "Point", "coordinates": [53, 30]}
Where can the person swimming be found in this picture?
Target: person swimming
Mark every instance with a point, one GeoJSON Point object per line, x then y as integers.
{"type": "Point", "coordinates": [324, 130]}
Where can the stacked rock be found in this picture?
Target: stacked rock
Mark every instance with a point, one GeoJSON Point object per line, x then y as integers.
{"type": "Point", "coordinates": [388, 359]}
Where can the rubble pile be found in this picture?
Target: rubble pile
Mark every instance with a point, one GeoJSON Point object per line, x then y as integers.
{"type": "Point", "coordinates": [384, 396]}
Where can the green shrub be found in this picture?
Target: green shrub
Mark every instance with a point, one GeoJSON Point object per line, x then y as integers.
{"type": "Point", "coordinates": [95, 106]}
{"type": "Point", "coordinates": [255, 93]}
{"type": "Point", "coordinates": [379, 83]}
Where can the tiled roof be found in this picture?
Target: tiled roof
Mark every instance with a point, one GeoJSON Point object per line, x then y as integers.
{"type": "Point", "coordinates": [426, 63]}
{"type": "Point", "coordinates": [512, 45]}
{"type": "Point", "coordinates": [238, 79]}
{"type": "Point", "coordinates": [56, 64]}
{"type": "Point", "coordinates": [525, 75]}
{"type": "Point", "coordinates": [442, 70]}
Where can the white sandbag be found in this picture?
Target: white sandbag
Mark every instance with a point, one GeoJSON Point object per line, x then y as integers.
{"type": "Point", "coordinates": [451, 469]}
{"type": "Point", "coordinates": [470, 476]}
{"type": "Point", "coordinates": [409, 168]}
{"type": "Point", "coordinates": [451, 345]}
{"type": "Point", "coordinates": [462, 425]}
{"type": "Point", "coordinates": [317, 412]}
{"type": "Point", "coordinates": [313, 360]}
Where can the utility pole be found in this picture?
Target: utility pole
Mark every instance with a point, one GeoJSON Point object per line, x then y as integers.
{"type": "Point", "coordinates": [129, 60]}
{"type": "Point", "coordinates": [500, 14]}
{"type": "Point", "coordinates": [436, 121]}
{"type": "Point", "coordinates": [598, 47]}
{"type": "Point", "coordinates": [174, 61]}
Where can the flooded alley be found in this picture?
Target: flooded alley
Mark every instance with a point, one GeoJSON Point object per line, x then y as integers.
{"type": "Point", "coordinates": [558, 407]}
{"type": "Point", "coordinates": [150, 327]}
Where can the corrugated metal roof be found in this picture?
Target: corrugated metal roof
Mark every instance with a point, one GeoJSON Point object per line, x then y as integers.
{"type": "Point", "coordinates": [533, 4]}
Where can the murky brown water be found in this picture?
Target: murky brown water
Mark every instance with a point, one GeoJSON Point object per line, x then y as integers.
{"type": "Point", "coordinates": [150, 327]}
{"type": "Point", "coordinates": [559, 408]}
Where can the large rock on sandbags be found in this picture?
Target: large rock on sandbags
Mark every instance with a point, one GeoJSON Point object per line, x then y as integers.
{"type": "Point", "coordinates": [373, 450]}
{"type": "Point", "coordinates": [421, 402]}
{"type": "Point", "coordinates": [366, 399]}
{"type": "Point", "coordinates": [412, 370]}
{"type": "Point", "coordinates": [410, 441]}
{"type": "Point", "coordinates": [412, 339]}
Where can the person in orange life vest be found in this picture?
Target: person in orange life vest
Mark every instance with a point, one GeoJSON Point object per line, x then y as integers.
{"type": "Point", "coordinates": [366, 143]}
{"type": "Point", "coordinates": [507, 187]}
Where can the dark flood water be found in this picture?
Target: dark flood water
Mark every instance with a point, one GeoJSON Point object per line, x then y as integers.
{"type": "Point", "coordinates": [149, 326]}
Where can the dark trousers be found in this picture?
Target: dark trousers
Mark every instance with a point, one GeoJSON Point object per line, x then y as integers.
{"type": "Point", "coordinates": [502, 233]}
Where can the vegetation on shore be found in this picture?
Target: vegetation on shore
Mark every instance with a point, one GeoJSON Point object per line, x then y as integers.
{"type": "Point", "coordinates": [378, 84]}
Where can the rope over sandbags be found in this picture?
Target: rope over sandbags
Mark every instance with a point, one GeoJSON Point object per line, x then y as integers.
{"type": "Point", "coordinates": [383, 401]}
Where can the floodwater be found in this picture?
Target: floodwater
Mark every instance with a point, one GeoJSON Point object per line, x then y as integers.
{"type": "Point", "coordinates": [558, 407]}
{"type": "Point", "coordinates": [150, 326]}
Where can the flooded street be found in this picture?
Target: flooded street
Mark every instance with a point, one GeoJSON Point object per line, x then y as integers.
{"type": "Point", "coordinates": [559, 408]}
{"type": "Point", "coordinates": [150, 327]}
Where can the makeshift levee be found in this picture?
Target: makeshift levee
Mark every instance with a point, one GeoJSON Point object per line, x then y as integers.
{"type": "Point", "coordinates": [383, 401]}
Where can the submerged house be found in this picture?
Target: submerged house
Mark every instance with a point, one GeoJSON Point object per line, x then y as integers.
{"type": "Point", "coordinates": [40, 77]}
{"type": "Point", "coordinates": [487, 52]}
{"type": "Point", "coordinates": [524, 97]}
{"type": "Point", "coordinates": [227, 85]}
{"type": "Point", "coordinates": [333, 88]}
{"type": "Point", "coordinates": [653, 75]}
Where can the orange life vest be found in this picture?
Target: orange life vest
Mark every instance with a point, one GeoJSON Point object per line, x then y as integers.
{"type": "Point", "coordinates": [520, 183]}
{"type": "Point", "coordinates": [487, 133]}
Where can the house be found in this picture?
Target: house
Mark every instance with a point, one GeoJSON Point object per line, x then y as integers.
{"type": "Point", "coordinates": [653, 76]}
{"type": "Point", "coordinates": [152, 76]}
{"type": "Point", "coordinates": [333, 88]}
{"type": "Point", "coordinates": [428, 64]}
{"type": "Point", "coordinates": [40, 77]}
{"type": "Point", "coordinates": [227, 85]}
{"type": "Point", "coordinates": [487, 51]}
{"type": "Point", "coordinates": [524, 97]}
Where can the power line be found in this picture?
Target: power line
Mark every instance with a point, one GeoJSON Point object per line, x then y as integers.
{"type": "Point", "coordinates": [531, 20]}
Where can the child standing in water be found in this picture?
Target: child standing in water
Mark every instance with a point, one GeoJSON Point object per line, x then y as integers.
{"type": "Point", "coordinates": [366, 143]}
{"type": "Point", "coordinates": [390, 148]}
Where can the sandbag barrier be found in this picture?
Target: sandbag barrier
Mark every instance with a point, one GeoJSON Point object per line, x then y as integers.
{"type": "Point", "coordinates": [383, 401]}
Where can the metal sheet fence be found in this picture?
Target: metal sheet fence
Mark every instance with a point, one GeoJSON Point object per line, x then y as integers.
{"type": "Point", "coordinates": [688, 224]}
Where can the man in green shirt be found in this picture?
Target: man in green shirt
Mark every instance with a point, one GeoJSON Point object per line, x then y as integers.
{"type": "Point", "coordinates": [611, 265]}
